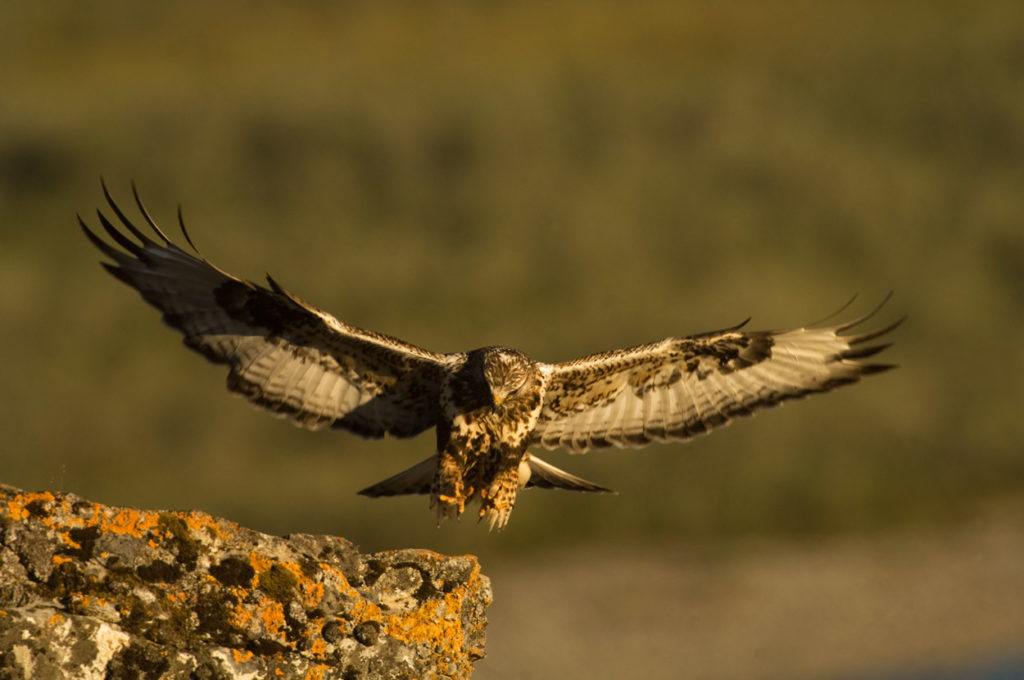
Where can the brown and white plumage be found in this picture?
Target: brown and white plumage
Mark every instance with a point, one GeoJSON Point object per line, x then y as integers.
{"type": "Point", "coordinates": [682, 387]}
{"type": "Point", "coordinates": [488, 405]}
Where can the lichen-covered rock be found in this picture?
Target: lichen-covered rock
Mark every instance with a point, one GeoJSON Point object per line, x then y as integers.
{"type": "Point", "coordinates": [92, 591]}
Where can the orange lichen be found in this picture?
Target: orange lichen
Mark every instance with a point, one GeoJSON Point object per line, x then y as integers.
{"type": "Point", "coordinates": [364, 610]}
{"type": "Point", "coordinates": [55, 620]}
{"type": "Point", "coordinates": [337, 575]}
{"type": "Point", "coordinates": [271, 615]}
{"type": "Point", "coordinates": [312, 592]}
{"type": "Point", "coordinates": [128, 521]}
{"type": "Point", "coordinates": [437, 623]}
{"type": "Point", "coordinates": [15, 510]}
{"type": "Point", "coordinates": [199, 522]}
{"type": "Point", "coordinates": [319, 647]}
{"type": "Point", "coordinates": [84, 602]}
{"type": "Point", "coordinates": [66, 537]}
{"type": "Point", "coordinates": [317, 672]}
{"type": "Point", "coordinates": [240, 616]}
{"type": "Point", "coordinates": [313, 633]}
{"type": "Point", "coordinates": [178, 597]}
{"type": "Point", "coordinates": [242, 655]}
{"type": "Point", "coordinates": [259, 561]}
{"type": "Point", "coordinates": [17, 506]}
{"type": "Point", "coordinates": [268, 612]}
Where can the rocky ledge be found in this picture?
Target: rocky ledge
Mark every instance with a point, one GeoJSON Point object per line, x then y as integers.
{"type": "Point", "coordinates": [93, 591]}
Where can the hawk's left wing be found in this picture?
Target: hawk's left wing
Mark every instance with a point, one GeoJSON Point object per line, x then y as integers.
{"type": "Point", "coordinates": [284, 355]}
{"type": "Point", "coordinates": [681, 387]}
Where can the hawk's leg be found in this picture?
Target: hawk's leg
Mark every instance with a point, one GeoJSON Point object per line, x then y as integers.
{"type": "Point", "coordinates": [498, 499]}
{"type": "Point", "coordinates": [450, 491]}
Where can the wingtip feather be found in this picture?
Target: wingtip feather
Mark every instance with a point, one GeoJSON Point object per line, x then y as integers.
{"type": "Point", "coordinates": [864, 352]}
{"type": "Point", "coordinates": [832, 315]}
{"type": "Point", "coordinates": [861, 319]}
{"type": "Point", "coordinates": [146, 241]}
{"type": "Point", "coordinates": [870, 369]}
{"type": "Point", "coordinates": [184, 231]}
{"type": "Point", "coordinates": [146, 216]}
{"type": "Point", "coordinates": [122, 240]}
{"type": "Point", "coordinates": [100, 244]}
{"type": "Point", "coordinates": [274, 285]}
{"type": "Point", "coordinates": [871, 335]}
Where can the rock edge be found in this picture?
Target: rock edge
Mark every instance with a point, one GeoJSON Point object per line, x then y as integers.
{"type": "Point", "coordinates": [94, 591]}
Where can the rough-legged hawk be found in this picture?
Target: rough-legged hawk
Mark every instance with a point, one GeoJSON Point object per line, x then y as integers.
{"type": "Point", "coordinates": [488, 405]}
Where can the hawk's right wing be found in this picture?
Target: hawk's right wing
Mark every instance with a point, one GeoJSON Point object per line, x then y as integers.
{"type": "Point", "coordinates": [284, 355]}
{"type": "Point", "coordinates": [681, 387]}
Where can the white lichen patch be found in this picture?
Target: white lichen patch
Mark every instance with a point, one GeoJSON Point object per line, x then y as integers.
{"type": "Point", "coordinates": [395, 590]}
{"type": "Point", "coordinates": [109, 641]}
{"type": "Point", "coordinates": [144, 594]}
{"type": "Point", "coordinates": [24, 660]}
{"type": "Point", "coordinates": [236, 670]}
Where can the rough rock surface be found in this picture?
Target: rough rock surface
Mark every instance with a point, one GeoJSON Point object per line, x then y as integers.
{"type": "Point", "coordinates": [92, 591]}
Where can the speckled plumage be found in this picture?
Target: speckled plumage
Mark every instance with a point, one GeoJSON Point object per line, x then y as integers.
{"type": "Point", "coordinates": [488, 405]}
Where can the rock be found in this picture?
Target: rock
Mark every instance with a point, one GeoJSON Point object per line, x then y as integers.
{"type": "Point", "coordinates": [93, 591]}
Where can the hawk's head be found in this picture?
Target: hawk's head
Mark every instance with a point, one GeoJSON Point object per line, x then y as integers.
{"type": "Point", "coordinates": [505, 371]}
{"type": "Point", "coordinates": [489, 377]}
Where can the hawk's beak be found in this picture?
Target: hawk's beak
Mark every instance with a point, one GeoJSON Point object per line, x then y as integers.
{"type": "Point", "coordinates": [496, 399]}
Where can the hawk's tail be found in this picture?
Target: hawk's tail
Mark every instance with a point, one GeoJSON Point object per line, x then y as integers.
{"type": "Point", "coordinates": [547, 476]}
{"type": "Point", "coordinates": [416, 479]}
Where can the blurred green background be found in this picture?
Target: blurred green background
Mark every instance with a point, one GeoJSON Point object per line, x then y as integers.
{"type": "Point", "coordinates": [562, 177]}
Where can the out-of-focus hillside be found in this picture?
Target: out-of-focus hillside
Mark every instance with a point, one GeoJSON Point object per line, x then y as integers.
{"type": "Point", "coordinates": [562, 177]}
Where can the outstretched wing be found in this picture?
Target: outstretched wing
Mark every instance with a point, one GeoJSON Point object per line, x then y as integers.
{"type": "Point", "coordinates": [284, 355]}
{"type": "Point", "coordinates": [681, 387]}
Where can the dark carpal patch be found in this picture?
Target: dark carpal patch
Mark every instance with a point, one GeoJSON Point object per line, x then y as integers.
{"type": "Point", "coordinates": [729, 353]}
{"type": "Point", "coordinates": [234, 298]}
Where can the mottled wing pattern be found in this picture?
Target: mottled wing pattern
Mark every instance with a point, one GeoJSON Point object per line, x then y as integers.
{"type": "Point", "coordinates": [284, 355]}
{"type": "Point", "coordinates": [681, 387]}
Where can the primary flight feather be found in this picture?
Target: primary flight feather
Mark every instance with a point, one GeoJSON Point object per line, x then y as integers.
{"type": "Point", "coordinates": [489, 405]}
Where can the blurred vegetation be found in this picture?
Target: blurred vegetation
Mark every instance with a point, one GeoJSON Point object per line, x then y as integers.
{"type": "Point", "coordinates": [563, 177]}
